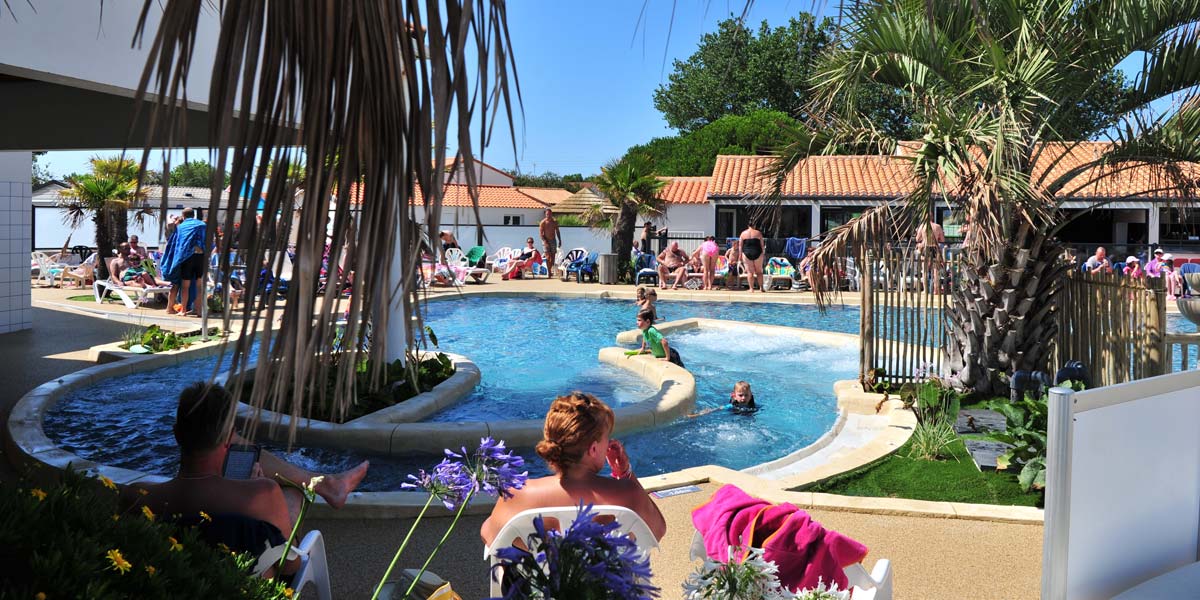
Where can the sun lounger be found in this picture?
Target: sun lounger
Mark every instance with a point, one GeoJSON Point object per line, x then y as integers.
{"type": "Point", "coordinates": [455, 256]}
{"type": "Point", "coordinates": [113, 285]}
{"type": "Point", "coordinates": [48, 269]}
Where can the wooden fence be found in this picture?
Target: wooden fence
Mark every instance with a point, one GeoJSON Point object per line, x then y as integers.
{"type": "Point", "coordinates": [903, 310]}
{"type": "Point", "coordinates": [1115, 325]}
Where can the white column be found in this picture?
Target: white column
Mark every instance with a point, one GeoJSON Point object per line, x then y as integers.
{"type": "Point", "coordinates": [16, 212]}
{"type": "Point", "coordinates": [816, 218]}
{"type": "Point", "coordinates": [397, 343]}
{"type": "Point", "coordinates": [1153, 223]}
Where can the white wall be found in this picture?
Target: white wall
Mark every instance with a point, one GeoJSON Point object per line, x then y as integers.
{"type": "Point", "coordinates": [50, 232]}
{"type": "Point", "coordinates": [465, 216]}
{"type": "Point", "coordinates": [514, 237]}
{"type": "Point", "coordinates": [1123, 486]}
{"type": "Point", "coordinates": [690, 217]}
{"type": "Point", "coordinates": [65, 41]}
{"type": "Point", "coordinates": [15, 193]}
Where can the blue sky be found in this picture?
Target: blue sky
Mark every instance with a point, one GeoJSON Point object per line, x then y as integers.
{"type": "Point", "coordinates": [588, 72]}
{"type": "Point", "coordinates": [586, 79]}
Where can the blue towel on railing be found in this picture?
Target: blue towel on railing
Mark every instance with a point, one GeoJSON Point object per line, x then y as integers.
{"type": "Point", "coordinates": [796, 248]}
{"type": "Point", "coordinates": [188, 236]}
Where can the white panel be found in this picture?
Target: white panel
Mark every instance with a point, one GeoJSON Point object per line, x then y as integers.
{"type": "Point", "coordinates": [1135, 491]}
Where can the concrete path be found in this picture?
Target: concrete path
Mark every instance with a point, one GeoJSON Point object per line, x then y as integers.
{"type": "Point", "coordinates": [933, 557]}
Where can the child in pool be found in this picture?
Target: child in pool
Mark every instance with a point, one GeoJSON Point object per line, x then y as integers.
{"type": "Point", "coordinates": [741, 401]}
{"type": "Point", "coordinates": [646, 297]}
{"type": "Point", "coordinates": [653, 340]}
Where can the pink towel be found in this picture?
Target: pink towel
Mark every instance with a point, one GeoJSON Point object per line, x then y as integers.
{"type": "Point", "coordinates": [714, 519]}
{"type": "Point", "coordinates": [806, 552]}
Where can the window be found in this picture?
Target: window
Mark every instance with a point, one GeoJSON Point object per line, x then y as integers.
{"type": "Point", "coordinates": [512, 219]}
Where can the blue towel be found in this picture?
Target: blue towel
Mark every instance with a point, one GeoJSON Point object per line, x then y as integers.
{"type": "Point", "coordinates": [796, 248]}
{"type": "Point", "coordinates": [188, 236]}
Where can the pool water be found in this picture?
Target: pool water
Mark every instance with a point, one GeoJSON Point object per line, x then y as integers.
{"type": "Point", "coordinates": [529, 351]}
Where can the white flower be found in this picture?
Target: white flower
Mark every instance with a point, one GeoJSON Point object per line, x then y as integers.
{"type": "Point", "coordinates": [823, 593]}
{"type": "Point", "coordinates": [749, 579]}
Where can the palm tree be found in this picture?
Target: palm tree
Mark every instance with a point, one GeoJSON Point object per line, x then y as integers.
{"type": "Point", "coordinates": [370, 90]}
{"type": "Point", "coordinates": [106, 195]}
{"type": "Point", "coordinates": [990, 83]}
{"type": "Point", "coordinates": [631, 187]}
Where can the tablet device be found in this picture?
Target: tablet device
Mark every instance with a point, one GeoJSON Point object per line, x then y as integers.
{"type": "Point", "coordinates": [239, 462]}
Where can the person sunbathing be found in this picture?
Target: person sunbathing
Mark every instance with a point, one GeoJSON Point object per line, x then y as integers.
{"type": "Point", "coordinates": [576, 445]}
{"type": "Point", "coordinates": [672, 262]}
{"type": "Point", "coordinates": [517, 265]}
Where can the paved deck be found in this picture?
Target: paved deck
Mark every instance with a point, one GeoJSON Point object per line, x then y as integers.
{"type": "Point", "coordinates": [933, 557]}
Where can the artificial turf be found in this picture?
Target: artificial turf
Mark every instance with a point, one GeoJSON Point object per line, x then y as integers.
{"type": "Point", "coordinates": [951, 480]}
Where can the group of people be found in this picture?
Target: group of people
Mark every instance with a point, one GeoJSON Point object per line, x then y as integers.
{"type": "Point", "coordinates": [745, 255]}
{"type": "Point", "coordinates": [524, 260]}
{"type": "Point", "coordinates": [1161, 265]}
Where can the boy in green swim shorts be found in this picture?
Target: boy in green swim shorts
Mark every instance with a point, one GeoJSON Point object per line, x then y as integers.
{"type": "Point", "coordinates": [653, 340]}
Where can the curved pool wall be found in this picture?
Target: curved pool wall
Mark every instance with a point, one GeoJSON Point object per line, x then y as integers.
{"type": "Point", "coordinates": [30, 444]}
{"type": "Point", "coordinates": [395, 431]}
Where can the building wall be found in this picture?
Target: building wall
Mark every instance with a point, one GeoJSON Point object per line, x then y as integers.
{"type": "Point", "coordinates": [690, 217]}
{"type": "Point", "coordinates": [483, 176]}
{"type": "Point", "coordinates": [15, 193]}
{"type": "Point", "coordinates": [464, 216]}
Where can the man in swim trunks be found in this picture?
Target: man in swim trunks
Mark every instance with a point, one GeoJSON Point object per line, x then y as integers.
{"type": "Point", "coordinates": [672, 260]}
{"type": "Point", "coordinates": [752, 255]}
{"type": "Point", "coordinates": [551, 237]}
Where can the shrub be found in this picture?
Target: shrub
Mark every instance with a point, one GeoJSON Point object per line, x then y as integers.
{"type": "Point", "coordinates": [931, 440]}
{"type": "Point", "coordinates": [70, 540]}
{"type": "Point", "coordinates": [1025, 430]}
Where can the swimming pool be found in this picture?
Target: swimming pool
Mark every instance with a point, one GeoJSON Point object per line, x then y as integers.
{"type": "Point", "coordinates": [529, 350]}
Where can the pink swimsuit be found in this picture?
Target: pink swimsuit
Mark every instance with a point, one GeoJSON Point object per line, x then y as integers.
{"type": "Point", "coordinates": [710, 248]}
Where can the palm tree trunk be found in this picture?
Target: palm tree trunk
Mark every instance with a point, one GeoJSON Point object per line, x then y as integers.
{"type": "Point", "coordinates": [1002, 314]}
{"type": "Point", "coordinates": [104, 241]}
{"type": "Point", "coordinates": [623, 235]}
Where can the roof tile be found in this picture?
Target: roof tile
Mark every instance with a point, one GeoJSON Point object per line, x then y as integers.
{"type": "Point", "coordinates": [685, 190]}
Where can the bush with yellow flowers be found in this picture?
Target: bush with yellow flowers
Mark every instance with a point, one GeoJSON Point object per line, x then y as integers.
{"type": "Point", "coordinates": [72, 540]}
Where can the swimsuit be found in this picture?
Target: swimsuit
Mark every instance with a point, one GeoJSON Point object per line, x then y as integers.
{"type": "Point", "coordinates": [710, 248]}
{"type": "Point", "coordinates": [752, 248]}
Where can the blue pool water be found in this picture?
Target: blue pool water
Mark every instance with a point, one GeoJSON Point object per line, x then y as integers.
{"type": "Point", "coordinates": [530, 350]}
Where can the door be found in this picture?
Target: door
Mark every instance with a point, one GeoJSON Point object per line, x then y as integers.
{"type": "Point", "coordinates": [726, 222]}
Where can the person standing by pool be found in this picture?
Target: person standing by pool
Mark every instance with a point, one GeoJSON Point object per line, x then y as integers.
{"type": "Point", "coordinates": [576, 444]}
{"type": "Point", "coordinates": [752, 254]}
{"type": "Point", "coordinates": [708, 259]}
{"type": "Point", "coordinates": [733, 259]}
{"type": "Point", "coordinates": [183, 262]}
{"type": "Point", "coordinates": [653, 340]}
{"type": "Point", "coordinates": [551, 237]}
{"type": "Point", "coordinates": [448, 241]}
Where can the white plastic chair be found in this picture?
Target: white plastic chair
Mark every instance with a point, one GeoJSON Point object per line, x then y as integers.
{"type": "Point", "coordinates": [113, 285]}
{"type": "Point", "coordinates": [500, 259]}
{"type": "Point", "coordinates": [455, 256]}
{"type": "Point", "coordinates": [314, 565]}
{"type": "Point", "coordinates": [48, 269]}
{"type": "Point", "coordinates": [520, 526]}
{"type": "Point", "coordinates": [876, 585]}
{"type": "Point", "coordinates": [571, 256]}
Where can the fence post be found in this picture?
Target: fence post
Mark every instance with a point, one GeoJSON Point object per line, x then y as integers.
{"type": "Point", "coordinates": [866, 321]}
{"type": "Point", "coordinates": [1156, 329]}
{"type": "Point", "coordinates": [1056, 527]}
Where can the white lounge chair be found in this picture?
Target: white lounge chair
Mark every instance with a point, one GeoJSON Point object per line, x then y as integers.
{"type": "Point", "coordinates": [876, 585]}
{"type": "Point", "coordinates": [521, 525]}
{"type": "Point", "coordinates": [314, 565]}
{"type": "Point", "coordinates": [499, 261]}
{"type": "Point", "coordinates": [455, 256]}
{"type": "Point", "coordinates": [571, 256]}
{"type": "Point", "coordinates": [48, 269]}
{"type": "Point", "coordinates": [113, 285]}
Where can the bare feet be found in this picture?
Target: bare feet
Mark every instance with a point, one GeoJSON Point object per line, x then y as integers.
{"type": "Point", "coordinates": [335, 488]}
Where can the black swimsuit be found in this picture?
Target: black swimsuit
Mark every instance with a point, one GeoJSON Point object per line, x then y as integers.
{"type": "Point", "coordinates": [752, 248]}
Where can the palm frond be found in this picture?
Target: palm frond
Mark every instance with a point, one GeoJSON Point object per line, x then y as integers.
{"type": "Point", "coordinates": [370, 90]}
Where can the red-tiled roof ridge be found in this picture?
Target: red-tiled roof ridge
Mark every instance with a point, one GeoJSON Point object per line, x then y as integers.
{"type": "Point", "coordinates": [685, 189]}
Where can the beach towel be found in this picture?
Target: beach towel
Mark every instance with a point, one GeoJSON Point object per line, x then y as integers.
{"type": "Point", "coordinates": [796, 248]}
{"type": "Point", "coordinates": [713, 519]}
{"type": "Point", "coordinates": [806, 553]}
{"type": "Point", "coordinates": [188, 236]}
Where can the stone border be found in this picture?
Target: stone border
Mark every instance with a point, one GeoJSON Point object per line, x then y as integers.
{"type": "Point", "coordinates": [387, 436]}
{"type": "Point", "coordinates": [26, 441]}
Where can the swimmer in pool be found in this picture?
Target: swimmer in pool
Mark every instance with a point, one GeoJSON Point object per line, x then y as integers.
{"type": "Point", "coordinates": [646, 297]}
{"type": "Point", "coordinates": [752, 255]}
{"type": "Point", "coordinates": [741, 402]}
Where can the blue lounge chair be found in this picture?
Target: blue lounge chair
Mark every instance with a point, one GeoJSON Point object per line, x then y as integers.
{"type": "Point", "coordinates": [647, 268]}
{"type": "Point", "coordinates": [584, 266]}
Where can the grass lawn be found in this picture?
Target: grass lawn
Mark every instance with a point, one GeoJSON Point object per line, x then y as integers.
{"type": "Point", "coordinates": [899, 476]}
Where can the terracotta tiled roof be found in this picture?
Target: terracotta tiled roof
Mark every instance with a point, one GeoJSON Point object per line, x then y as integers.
{"type": "Point", "coordinates": [816, 176]}
{"type": "Point", "coordinates": [549, 196]}
{"type": "Point", "coordinates": [685, 190]}
{"type": "Point", "coordinates": [884, 177]}
{"type": "Point", "coordinates": [490, 196]}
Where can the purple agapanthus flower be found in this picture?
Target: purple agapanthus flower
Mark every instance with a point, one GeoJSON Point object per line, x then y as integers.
{"type": "Point", "coordinates": [492, 469]}
{"type": "Point", "coordinates": [589, 560]}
